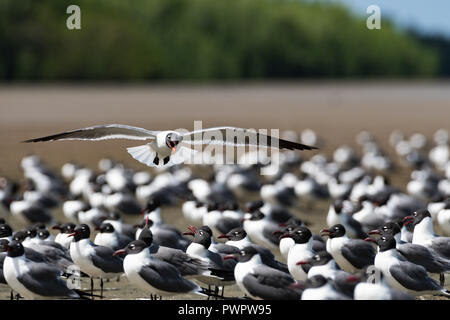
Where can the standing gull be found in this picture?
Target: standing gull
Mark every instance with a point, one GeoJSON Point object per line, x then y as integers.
{"type": "Point", "coordinates": [96, 261]}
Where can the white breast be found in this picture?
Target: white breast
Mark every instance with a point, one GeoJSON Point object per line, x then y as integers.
{"type": "Point", "coordinates": [12, 269]}
{"type": "Point", "coordinates": [80, 252]}
{"type": "Point", "coordinates": [334, 248]}
{"type": "Point", "coordinates": [423, 232]}
{"type": "Point", "coordinates": [285, 245]}
{"type": "Point", "coordinates": [297, 253]}
{"type": "Point", "coordinates": [107, 239]}
{"type": "Point", "coordinates": [371, 291]}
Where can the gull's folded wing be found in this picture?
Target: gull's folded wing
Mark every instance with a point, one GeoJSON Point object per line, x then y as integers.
{"type": "Point", "coordinates": [104, 132]}
{"type": "Point", "coordinates": [238, 137]}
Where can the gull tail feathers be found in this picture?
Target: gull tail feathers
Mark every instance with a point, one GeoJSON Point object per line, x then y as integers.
{"type": "Point", "coordinates": [144, 154]}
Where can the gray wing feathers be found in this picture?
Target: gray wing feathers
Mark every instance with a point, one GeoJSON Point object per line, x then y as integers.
{"type": "Point", "coordinates": [239, 137]}
{"type": "Point", "coordinates": [104, 260]}
{"type": "Point", "coordinates": [268, 283]}
{"type": "Point", "coordinates": [103, 132]}
{"type": "Point", "coordinates": [359, 253]}
{"type": "Point", "coordinates": [423, 256]}
{"type": "Point", "coordinates": [166, 277]}
{"type": "Point", "coordinates": [182, 261]}
{"type": "Point", "coordinates": [44, 280]}
{"type": "Point", "coordinates": [413, 277]}
{"type": "Point", "coordinates": [442, 246]}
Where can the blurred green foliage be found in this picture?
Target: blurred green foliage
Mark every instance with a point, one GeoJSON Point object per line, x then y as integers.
{"type": "Point", "coordinates": [201, 39]}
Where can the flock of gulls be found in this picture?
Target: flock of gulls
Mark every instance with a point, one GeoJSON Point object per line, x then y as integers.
{"type": "Point", "coordinates": [377, 242]}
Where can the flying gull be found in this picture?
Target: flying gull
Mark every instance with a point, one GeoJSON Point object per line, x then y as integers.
{"type": "Point", "coordinates": [163, 143]}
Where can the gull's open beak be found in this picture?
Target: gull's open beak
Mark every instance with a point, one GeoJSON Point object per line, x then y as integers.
{"type": "Point", "coordinates": [119, 252]}
{"type": "Point", "coordinates": [408, 222]}
{"type": "Point", "coordinates": [173, 149]}
{"type": "Point", "coordinates": [370, 240]}
{"type": "Point", "coordinates": [188, 233]}
{"type": "Point", "coordinates": [72, 234]}
{"type": "Point", "coordinates": [407, 218]}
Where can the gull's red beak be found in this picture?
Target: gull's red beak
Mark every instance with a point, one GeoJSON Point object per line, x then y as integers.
{"type": "Point", "coordinates": [282, 224]}
{"type": "Point", "coordinates": [370, 240]}
{"type": "Point", "coordinates": [407, 218]}
{"type": "Point", "coordinates": [296, 285]}
{"type": "Point", "coordinates": [119, 252]}
{"type": "Point", "coordinates": [222, 236]}
{"type": "Point", "coordinates": [285, 235]}
{"type": "Point", "coordinates": [72, 234]}
{"type": "Point", "coordinates": [325, 232]}
{"type": "Point", "coordinates": [229, 256]}
{"type": "Point", "coordinates": [56, 227]}
{"type": "Point", "coordinates": [277, 232]}
{"type": "Point", "coordinates": [374, 232]}
{"type": "Point", "coordinates": [408, 222]}
{"type": "Point", "coordinates": [302, 262]}
{"type": "Point", "coordinates": [353, 278]}
{"type": "Point", "coordinates": [188, 233]}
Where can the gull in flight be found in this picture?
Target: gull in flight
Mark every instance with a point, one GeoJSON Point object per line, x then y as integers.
{"type": "Point", "coordinates": [172, 147]}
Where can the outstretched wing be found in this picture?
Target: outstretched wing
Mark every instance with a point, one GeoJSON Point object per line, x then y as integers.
{"type": "Point", "coordinates": [238, 137]}
{"type": "Point", "coordinates": [103, 132]}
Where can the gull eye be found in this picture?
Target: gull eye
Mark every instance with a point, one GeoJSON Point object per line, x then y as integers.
{"type": "Point", "coordinates": [317, 258]}
{"type": "Point", "coordinates": [242, 253]}
{"type": "Point", "coordinates": [236, 233]}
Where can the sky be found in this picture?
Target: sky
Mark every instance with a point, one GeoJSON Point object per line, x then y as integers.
{"type": "Point", "coordinates": [425, 16]}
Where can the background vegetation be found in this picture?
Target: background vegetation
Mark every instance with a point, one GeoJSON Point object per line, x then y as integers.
{"type": "Point", "coordinates": [203, 40]}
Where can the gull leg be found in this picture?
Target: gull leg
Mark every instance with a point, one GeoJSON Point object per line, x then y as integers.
{"type": "Point", "coordinates": [12, 295]}
{"type": "Point", "coordinates": [92, 288]}
{"type": "Point", "coordinates": [101, 288]}
{"type": "Point", "coordinates": [216, 291]}
{"type": "Point", "coordinates": [442, 279]}
{"type": "Point", "coordinates": [166, 159]}
{"type": "Point", "coordinates": [156, 160]}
